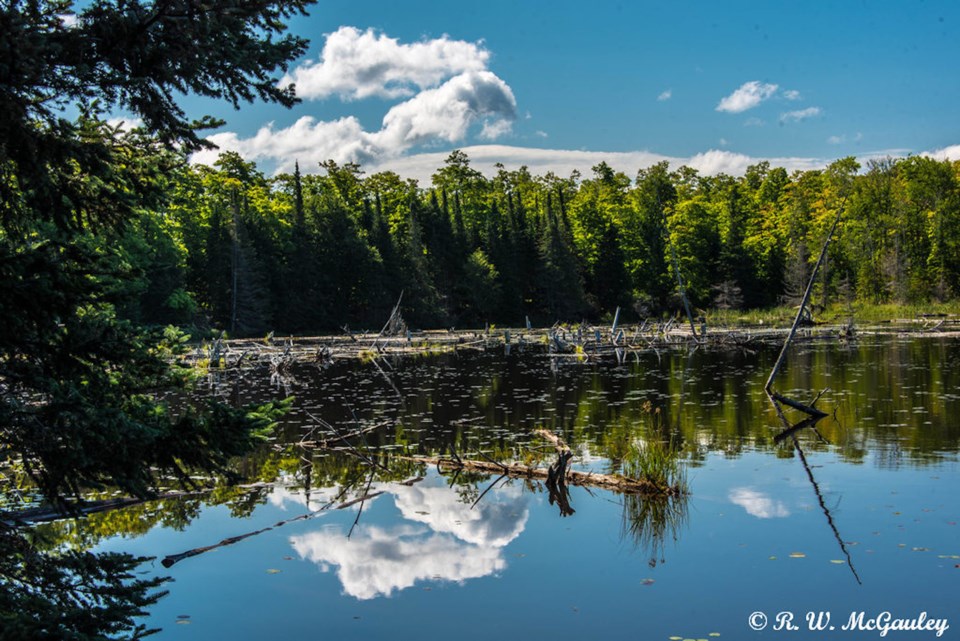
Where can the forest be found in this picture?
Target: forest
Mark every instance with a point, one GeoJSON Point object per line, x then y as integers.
{"type": "Point", "coordinates": [238, 251]}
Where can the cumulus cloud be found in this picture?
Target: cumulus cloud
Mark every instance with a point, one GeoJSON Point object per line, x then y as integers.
{"type": "Point", "coordinates": [791, 94]}
{"type": "Point", "coordinates": [307, 139]}
{"type": "Point", "coordinates": [445, 113]}
{"type": "Point", "coordinates": [358, 64]}
{"type": "Point", "coordinates": [449, 94]}
{"type": "Point", "coordinates": [757, 503]}
{"type": "Point", "coordinates": [800, 114]}
{"type": "Point", "coordinates": [747, 96]}
{"type": "Point", "coordinates": [665, 95]}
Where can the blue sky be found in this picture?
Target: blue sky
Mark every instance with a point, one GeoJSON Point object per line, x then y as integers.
{"type": "Point", "coordinates": [562, 85]}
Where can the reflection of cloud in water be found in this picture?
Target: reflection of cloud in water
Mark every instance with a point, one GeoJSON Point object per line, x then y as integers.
{"type": "Point", "coordinates": [498, 519]}
{"type": "Point", "coordinates": [283, 498]}
{"type": "Point", "coordinates": [376, 561]}
{"type": "Point", "coordinates": [757, 503]}
{"type": "Point", "coordinates": [459, 543]}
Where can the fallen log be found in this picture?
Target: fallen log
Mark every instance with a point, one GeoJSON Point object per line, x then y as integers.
{"type": "Point", "coordinates": [613, 482]}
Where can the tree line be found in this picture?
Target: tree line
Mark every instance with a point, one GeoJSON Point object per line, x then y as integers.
{"type": "Point", "coordinates": [236, 250]}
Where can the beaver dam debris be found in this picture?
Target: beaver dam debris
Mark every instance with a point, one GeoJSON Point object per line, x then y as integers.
{"type": "Point", "coordinates": [578, 341]}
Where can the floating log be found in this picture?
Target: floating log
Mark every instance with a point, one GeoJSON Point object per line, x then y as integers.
{"type": "Point", "coordinates": [613, 482]}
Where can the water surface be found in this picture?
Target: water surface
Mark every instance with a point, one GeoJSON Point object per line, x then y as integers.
{"type": "Point", "coordinates": [857, 514]}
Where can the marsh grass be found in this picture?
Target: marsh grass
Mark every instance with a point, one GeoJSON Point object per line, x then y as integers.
{"type": "Point", "coordinates": [657, 462]}
{"type": "Point", "coordinates": [862, 313]}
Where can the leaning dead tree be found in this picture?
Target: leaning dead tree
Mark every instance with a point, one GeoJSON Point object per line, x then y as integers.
{"type": "Point", "coordinates": [801, 311]}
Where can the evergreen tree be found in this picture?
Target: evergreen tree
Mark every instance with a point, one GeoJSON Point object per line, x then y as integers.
{"type": "Point", "coordinates": [79, 412]}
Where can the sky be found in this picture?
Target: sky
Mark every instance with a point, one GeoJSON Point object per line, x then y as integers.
{"type": "Point", "coordinates": [563, 85]}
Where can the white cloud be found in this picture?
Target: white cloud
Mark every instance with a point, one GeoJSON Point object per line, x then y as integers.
{"type": "Point", "coordinates": [839, 140]}
{"type": "Point", "coordinates": [800, 114]}
{"type": "Point", "coordinates": [665, 95]}
{"type": "Point", "coordinates": [947, 153]}
{"type": "Point", "coordinates": [306, 140]}
{"type": "Point", "coordinates": [539, 161]}
{"type": "Point", "coordinates": [355, 65]}
{"type": "Point", "coordinates": [791, 94]}
{"type": "Point", "coordinates": [747, 96]}
{"type": "Point", "coordinates": [717, 161]}
{"type": "Point", "coordinates": [445, 113]}
{"type": "Point", "coordinates": [540, 134]}
{"type": "Point", "coordinates": [493, 129]}
{"type": "Point", "coordinates": [562, 162]}
{"type": "Point", "coordinates": [455, 94]}
{"type": "Point", "coordinates": [125, 124]}
{"type": "Point", "coordinates": [757, 503]}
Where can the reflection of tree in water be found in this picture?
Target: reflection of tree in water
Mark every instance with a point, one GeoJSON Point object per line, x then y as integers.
{"type": "Point", "coordinates": [94, 596]}
{"type": "Point", "coordinates": [649, 522]}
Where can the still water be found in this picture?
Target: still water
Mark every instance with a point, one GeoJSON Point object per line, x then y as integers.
{"type": "Point", "coordinates": [856, 514]}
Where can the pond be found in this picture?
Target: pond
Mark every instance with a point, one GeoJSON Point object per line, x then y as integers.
{"type": "Point", "coordinates": [855, 517]}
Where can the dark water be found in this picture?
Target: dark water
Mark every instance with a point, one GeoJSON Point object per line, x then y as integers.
{"type": "Point", "coordinates": [857, 515]}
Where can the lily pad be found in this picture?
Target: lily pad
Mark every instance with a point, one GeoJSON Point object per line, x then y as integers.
{"type": "Point", "coordinates": [797, 555]}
